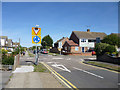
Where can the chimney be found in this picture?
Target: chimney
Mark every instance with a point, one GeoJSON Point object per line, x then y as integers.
{"type": "Point", "coordinates": [88, 30]}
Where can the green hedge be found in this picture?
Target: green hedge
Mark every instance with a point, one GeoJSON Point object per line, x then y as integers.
{"type": "Point", "coordinates": [102, 48]}
{"type": "Point", "coordinates": [7, 60]}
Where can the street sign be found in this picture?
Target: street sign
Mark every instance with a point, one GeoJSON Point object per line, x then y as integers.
{"type": "Point", "coordinates": [36, 39]}
{"type": "Point", "coordinates": [36, 31]}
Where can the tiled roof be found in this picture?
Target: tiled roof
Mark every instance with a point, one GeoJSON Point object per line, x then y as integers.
{"type": "Point", "coordinates": [61, 39]}
{"type": "Point", "coordinates": [89, 35]}
{"type": "Point", "coordinates": [71, 43]}
{"type": "Point", "coordinates": [3, 37]}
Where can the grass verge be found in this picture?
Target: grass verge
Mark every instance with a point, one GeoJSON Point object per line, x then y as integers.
{"type": "Point", "coordinates": [40, 68]}
{"type": "Point", "coordinates": [107, 66]}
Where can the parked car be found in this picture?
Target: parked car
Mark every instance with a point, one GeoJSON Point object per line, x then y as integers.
{"type": "Point", "coordinates": [93, 53]}
{"type": "Point", "coordinates": [44, 51]}
{"type": "Point", "coordinates": [92, 50]}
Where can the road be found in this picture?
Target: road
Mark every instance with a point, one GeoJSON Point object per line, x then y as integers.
{"type": "Point", "coordinates": [81, 75]}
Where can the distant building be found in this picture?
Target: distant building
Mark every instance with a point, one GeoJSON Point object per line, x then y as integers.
{"type": "Point", "coordinates": [60, 43]}
{"type": "Point", "coordinates": [16, 44]}
{"type": "Point", "coordinates": [10, 44]}
{"type": "Point", "coordinates": [80, 42]}
{"type": "Point", "coordinates": [4, 42]}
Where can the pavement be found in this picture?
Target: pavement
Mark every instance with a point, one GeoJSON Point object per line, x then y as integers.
{"type": "Point", "coordinates": [4, 77]}
{"type": "Point", "coordinates": [24, 77]}
{"type": "Point", "coordinates": [79, 74]}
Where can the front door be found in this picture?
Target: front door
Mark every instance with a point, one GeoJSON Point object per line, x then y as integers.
{"type": "Point", "coordinates": [82, 49]}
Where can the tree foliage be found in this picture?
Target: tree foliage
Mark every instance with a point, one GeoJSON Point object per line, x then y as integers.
{"type": "Point", "coordinates": [112, 39]}
{"type": "Point", "coordinates": [102, 48]}
{"type": "Point", "coordinates": [47, 41]}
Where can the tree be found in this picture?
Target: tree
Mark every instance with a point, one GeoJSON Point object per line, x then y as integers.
{"type": "Point", "coordinates": [112, 39]}
{"type": "Point", "coordinates": [102, 48]}
{"type": "Point", "coordinates": [47, 41]}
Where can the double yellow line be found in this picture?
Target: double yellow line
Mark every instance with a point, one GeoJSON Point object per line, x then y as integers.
{"type": "Point", "coordinates": [65, 81]}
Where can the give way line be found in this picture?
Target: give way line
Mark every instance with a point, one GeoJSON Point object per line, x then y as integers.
{"type": "Point", "coordinates": [88, 72]}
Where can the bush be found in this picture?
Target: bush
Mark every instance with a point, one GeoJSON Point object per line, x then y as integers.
{"type": "Point", "coordinates": [102, 48]}
{"type": "Point", "coordinates": [110, 49]}
{"type": "Point", "coordinates": [4, 51]}
{"type": "Point", "coordinates": [7, 60]}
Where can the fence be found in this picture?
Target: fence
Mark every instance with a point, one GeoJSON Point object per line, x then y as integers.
{"type": "Point", "coordinates": [16, 61]}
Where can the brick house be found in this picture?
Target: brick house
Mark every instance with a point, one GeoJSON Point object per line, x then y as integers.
{"type": "Point", "coordinates": [80, 42]}
{"type": "Point", "coordinates": [60, 43]}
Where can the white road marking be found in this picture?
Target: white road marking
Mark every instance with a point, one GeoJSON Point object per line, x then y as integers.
{"type": "Point", "coordinates": [52, 62]}
{"type": "Point", "coordinates": [62, 67]}
{"type": "Point", "coordinates": [69, 59]}
{"type": "Point", "coordinates": [57, 58]}
{"type": "Point", "coordinates": [88, 72]}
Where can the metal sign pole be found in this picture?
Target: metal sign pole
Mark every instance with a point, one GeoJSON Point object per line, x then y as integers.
{"type": "Point", "coordinates": [36, 56]}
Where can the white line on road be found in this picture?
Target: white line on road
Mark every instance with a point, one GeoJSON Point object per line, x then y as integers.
{"type": "Point", "coordinates": [57, 58]}
{"type": "Point", "coordinates": [69, 59]}
{"type": "Point", "coordinates": [88, 72]}
{"type": "Point", "coordinates": [62, 67]}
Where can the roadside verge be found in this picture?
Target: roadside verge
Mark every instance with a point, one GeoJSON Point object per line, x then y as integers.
{"type": "Point", "coordinates": [102, 65]}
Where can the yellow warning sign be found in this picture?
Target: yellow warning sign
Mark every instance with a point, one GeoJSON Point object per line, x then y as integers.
{"type": "Point", "coordinates": [36, 31]}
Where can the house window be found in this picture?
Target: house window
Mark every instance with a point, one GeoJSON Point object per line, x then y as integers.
{"type": "Point", "coordinates": [65, 48]}
{"type": "Point", "coordinates": [76, 48]}
{"type": "Point", "coordinates": [83, 40]}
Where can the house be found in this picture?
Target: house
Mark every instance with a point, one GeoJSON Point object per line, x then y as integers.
{"type": "Point", "coordinates": [4, 42]}
{"type": "Point", "coordinates": [16, 44]}
{"type": "Point", "coordinates": [60, 43]}
{"type": "Point", "coordinates": [10, 45]}
{"type": "Point", "coordinates": [80, 42]}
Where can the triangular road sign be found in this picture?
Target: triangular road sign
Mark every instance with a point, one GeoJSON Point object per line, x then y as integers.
{"type": "Point", "coordinates": [36, 31]}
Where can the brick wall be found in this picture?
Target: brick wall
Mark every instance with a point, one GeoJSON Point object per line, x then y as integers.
{"type": "Point", "coordinates": [80, 54]}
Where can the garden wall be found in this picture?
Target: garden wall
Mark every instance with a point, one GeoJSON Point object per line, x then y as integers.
{"type": "Point", "coordinates": [109, 59]}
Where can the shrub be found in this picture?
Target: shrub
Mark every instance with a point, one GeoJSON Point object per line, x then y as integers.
{"type": "Point", "coordinates": [100, 48]}
{"type": "Point", "coordinates": [110, 49]}
{"type": "Point", "coordinates": [7, 60]}
{"type": "Point", "coordinates": [4, 51]}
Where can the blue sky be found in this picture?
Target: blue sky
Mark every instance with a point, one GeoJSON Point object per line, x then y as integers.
{"type": "Point", "coordinates": [57, 19]}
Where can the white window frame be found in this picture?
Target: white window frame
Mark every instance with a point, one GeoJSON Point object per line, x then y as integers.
{"type": "Point", "coordinates": [83, 40]}
{"type": "Point", "coordinates": [76, 48]}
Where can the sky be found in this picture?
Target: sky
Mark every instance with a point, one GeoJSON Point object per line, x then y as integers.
{"type": "Point", "coordinates": [58, 19]}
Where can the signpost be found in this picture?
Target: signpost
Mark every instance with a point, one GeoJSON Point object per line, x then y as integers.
{"type": "Point", "coordinates": [36, 39]}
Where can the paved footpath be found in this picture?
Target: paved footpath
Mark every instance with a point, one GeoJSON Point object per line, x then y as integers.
{"type": "Point", "coordinates": [30, 79]}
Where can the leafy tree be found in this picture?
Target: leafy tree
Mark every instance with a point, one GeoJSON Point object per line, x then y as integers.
{"type": "Point", "coordinates": [4, 51]}
{"type": "Point", "coordinates": [102, 48]}
{"type": "Point", "coordinates": [110, 49]}
{"type": "Point", "coordinates": [47, 41]}
{"type": "Point", "coordinates": [112, 39]}
{"type": "Point", "coordinates": [34, 47]}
